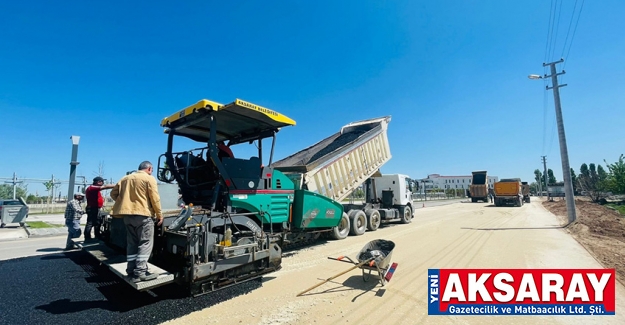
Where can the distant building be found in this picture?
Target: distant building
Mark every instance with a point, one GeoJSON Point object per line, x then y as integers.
{"type": "Point", "coordinates": [437, 181]}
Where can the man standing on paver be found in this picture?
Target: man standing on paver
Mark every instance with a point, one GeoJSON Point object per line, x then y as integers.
{"type": "Point", "coordinates": [137, 201]}
{"type": "Point", "coordinates": [73, 213]}
{"type": "Point", "coordinates": [95, 201]}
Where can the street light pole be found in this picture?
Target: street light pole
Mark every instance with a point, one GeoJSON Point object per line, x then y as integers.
{"type": "Point", "coordinates": [564, 153]}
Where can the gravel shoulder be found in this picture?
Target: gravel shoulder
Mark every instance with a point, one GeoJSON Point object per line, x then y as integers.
{"type": "Point", "coordinates": [460, 235]}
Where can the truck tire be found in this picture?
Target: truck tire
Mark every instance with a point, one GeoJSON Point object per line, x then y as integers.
{"type": "Point", "coordinates": [358, 223]}
{"type": "Point", "coordinates": [528, 199]}
{"type": "Point", "coordinates": [342, 230]}
{"type": "Point", "coordinates": [406, 214]}
{"type": "Point", "coordinates": [373, 220]}
{"type": "Point", "coordinates": [473, 200]}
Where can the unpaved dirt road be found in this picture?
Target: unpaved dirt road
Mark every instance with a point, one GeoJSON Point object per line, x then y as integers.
{"type": "Point", "coordinates": [460, 235]}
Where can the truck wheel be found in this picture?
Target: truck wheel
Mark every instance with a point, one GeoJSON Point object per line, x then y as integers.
{"type": "Point", "coordinates": [373, 220]}
{"type": "Point", "coordinates": [358, 223]}
{"type": "Point", "coordinates": [342, 230]}
{"type": "Point", "coordinates": [528, 200]}
{"type": "Point", "coordinates": [473, 200]}
{"type": "Point", "coordinates": [2, 225]}
{"type": "Point", "coordinates": [406, 214]}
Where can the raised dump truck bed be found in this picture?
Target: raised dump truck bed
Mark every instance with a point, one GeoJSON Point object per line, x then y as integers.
{"type": "Point", "coordinates": [526, 192]}
{"type": "Point", "coordinates": [340, 163]}
{"type": "Point", "coordinates": [479, 186]}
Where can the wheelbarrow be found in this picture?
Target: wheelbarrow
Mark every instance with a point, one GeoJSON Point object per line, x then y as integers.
{"type": "Point", "coordinates": [373, 257]}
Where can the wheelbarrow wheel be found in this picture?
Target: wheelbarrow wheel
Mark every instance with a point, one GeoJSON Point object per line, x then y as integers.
{"type": "Point", "coordinates": [366, 275]}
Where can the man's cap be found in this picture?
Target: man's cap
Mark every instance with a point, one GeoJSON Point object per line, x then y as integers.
{"type": "Point", "coordinates": [98, 179]}
{"type": "Point", "coordinates": [79, 194]}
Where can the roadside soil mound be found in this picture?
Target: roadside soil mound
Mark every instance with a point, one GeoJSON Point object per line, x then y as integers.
{"type": "Point", "coordinates": [599, 229]}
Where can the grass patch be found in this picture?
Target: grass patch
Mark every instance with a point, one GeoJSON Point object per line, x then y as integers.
{"type": "Point", "coordinates": [41, 224]}
{"type": "Point", "coordinates": [617, 207]}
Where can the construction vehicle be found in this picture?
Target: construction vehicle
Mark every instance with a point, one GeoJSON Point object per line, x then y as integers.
{"type": "Point", "coordinates": [339, 164]}
{"type": "Point", "coordinates": [526, 192]}
{"type": "Point", "coordinates": [508, 191]}
{"type": "Point", "coordinates": [390, 196]}
{"type": "Point", "coordinates": [230, 228]}
{"type": "Point", "coordinates": [240, 212]}
{"type": "Point", "coordinates": [479, 186]}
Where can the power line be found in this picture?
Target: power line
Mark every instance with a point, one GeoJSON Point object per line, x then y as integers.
{"type": "Point", "coordinates": [573, 37]}
{"type": "Point", "coordinates": [569, 29]}
{"type": "Point", "coordinates": [549, 30]}
{"type": "Point", "coordinates": [555, 36]}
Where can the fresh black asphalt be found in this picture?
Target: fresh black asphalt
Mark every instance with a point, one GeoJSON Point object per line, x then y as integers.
{"type": "Point", "coordinates": [71, 288]}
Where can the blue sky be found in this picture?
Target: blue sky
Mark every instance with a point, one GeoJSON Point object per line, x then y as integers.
{"type": "Point", "coordinates": [452, 74]}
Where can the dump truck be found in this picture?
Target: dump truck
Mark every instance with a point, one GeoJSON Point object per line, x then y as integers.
{"type": "Point", "coordinates": [479, 186]}
{"type": "Point", "coordinates": [339, 164]}
{"type": "Point", "coordinates": [526, 192]}
{"type": "Point", "coordinates": [508, 191]}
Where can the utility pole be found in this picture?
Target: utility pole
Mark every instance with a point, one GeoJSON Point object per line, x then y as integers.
{"type": "Point", "coordinates": [545, 176]}
{"type": "Point", "coordinates": [540, 188]}
{"type": "Point", "coordinates": [564, 153]}
{"type": "Point", "coordinates": [14, 181]}
{"type": "Point", "coordinates": [52, 190]}
{"type": "Point", "coordinates": [73, 163]}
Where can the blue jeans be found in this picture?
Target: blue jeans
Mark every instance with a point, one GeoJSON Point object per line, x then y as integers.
{"type": "Point", "coordinates": [73, 230]}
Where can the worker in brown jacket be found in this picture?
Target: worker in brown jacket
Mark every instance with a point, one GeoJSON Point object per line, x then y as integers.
{"type": "Point", "coordinates": [137, 201]}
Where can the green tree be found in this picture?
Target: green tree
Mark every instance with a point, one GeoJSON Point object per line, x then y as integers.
{"type": "Point", "coordinates": [551, 176]}
{"type": "Point", "coordinates": [616, 178]}
{"type": "Point", "coordinates": [6, 191]}
{"type": "Point", "coordinates": [583, 171]}
{"type": "Point", "coordinates": [574, 181]}
{"type": "Point", "coordinates": [538, 176]}
{"type": "Point", "coordinates": [534, 187]}
{"type": "Point", "coordinates": [32, 198]}
{"type": "Point", "coordinates": [593, 181]}
{"type": "Point", "coordinates": [601, 174]}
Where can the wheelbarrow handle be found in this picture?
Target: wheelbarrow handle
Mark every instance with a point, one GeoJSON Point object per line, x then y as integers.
{"type": "Point", "coordinates": [335, 276]}
{"type": "Point", "coordinates": [342, 259]}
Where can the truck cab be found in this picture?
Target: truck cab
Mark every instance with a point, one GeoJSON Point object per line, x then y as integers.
{"type": "Point", "coordinates": [398, 184]}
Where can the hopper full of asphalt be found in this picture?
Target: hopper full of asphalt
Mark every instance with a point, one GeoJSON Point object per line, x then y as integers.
{"type": "Point", "coordinates": [309, 158]}
{"type": "Point", "coordinates": [71, 288]}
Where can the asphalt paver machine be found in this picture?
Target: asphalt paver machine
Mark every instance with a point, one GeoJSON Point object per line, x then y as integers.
{"type": "Point", "coordinates": [210, 244]}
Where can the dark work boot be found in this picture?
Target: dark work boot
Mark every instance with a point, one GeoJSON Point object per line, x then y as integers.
{"type": "Point", "coordinates": [145, 277]}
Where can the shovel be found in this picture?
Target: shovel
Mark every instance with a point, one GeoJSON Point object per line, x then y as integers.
{"type": "Point", "coordinates": [336, 276]}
